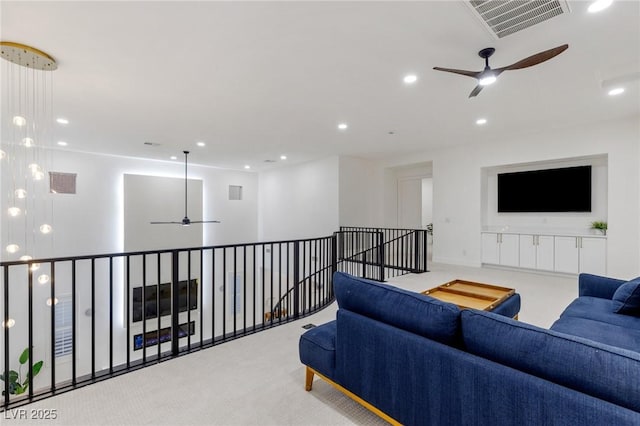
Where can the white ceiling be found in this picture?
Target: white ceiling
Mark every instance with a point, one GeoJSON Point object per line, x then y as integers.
{"type": "Point", "coordinates": [255, 80]}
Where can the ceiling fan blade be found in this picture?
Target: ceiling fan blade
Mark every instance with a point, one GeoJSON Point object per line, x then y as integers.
{"type": "Point", "coordinates": [535, 59]}
{"type": "Point", "coordinates": [205, 221]}
{"type": "Point", "coordinates": [475, 91]}
{"type": "Point", "coordinates": [473, 74]}
{"type": "Point", "coordinates": [165, 223]}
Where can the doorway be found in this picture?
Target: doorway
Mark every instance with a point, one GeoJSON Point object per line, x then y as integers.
{"type": "Point", "coordinates": [415, 202]}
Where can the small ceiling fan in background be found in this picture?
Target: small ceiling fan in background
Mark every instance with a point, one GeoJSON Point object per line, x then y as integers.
{"type": "Point", "coordinates": [489, 76]}
{"type": "Point", "coordinates": [185, 220]}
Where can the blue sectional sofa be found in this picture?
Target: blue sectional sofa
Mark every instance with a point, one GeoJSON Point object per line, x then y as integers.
{"type": "Point", "coordinates": [418, 361]}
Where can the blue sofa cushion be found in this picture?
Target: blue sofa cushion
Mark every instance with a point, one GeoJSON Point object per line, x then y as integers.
{"type": "Point", "coordinates": [410, 311]}
{"type": "Point", "coordinates": [597, 286]}
{"type": "Point", "coordinates": [597, 309]}
{"type": "Point", "coordinates": [317, 349]}
{"type": "Point", "coordinates": [626, 299]}
{"type": "Point", "coordinates": [599, 370]}
{"type": "Point", "coordinates": [609, 334]}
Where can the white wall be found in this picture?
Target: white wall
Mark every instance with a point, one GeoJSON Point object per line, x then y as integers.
{"type": "Point", "coordinates": [299, 201]}
{"type": "Point", "coordinates": [361, 194]}
{"type": "Point", "coordinates": [160, 199]}
{"type": "Point", "coordinates": [457, 187]}
{"type": "Point", "coordinates": [91, 222]}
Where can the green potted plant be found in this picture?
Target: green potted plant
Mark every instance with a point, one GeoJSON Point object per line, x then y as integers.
{"type": "Point", "coordinates": [16, 385]}
{"type": "Point", "coordinates": [600, 225]}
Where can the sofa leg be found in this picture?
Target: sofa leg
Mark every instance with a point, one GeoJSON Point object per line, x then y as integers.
{"type": "Point", "coordinates": [309, 379]}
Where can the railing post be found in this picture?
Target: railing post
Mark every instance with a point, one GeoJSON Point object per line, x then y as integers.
{"type": "Point", "coordinates": [334, 254]}
{"type": "Point", "coordinates": [416, 252]}
{"type": "Point", "coordinates": [296, 279]}
{"type": "Point", "coordinates": [363, 249]}
{"type": "Point", "coordinates": [381, 255]}
{"type": "Point", "coordinates": [425, 244]}
{"type": "Point", "coordinates": [175, 303]}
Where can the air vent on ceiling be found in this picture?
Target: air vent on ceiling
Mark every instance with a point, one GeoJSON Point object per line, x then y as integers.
{"type": "Point", "coordinates": [502, 17]}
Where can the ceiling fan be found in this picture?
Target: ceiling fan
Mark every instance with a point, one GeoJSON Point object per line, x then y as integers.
{"type": "Point", "coordinates": [185, 220]}
{"type": "Point", "coordinates": [488, 75]}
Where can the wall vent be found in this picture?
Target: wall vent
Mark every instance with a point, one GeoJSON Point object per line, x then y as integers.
{"type": "Point", "coordinates": [504, 17]}
{"type": "Point", "coordinates": [62, 183]}
{"type": "Point", "coordinates": [235, 192]}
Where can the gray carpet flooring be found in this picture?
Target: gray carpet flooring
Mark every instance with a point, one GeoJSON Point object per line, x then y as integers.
{"type": "Point", "coordinates": [258, 380]}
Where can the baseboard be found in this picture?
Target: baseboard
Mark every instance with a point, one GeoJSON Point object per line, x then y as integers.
{"type": "Point", "coordinates": [458, 262]}
{"type": "Point", "coordinates": [529, 271]}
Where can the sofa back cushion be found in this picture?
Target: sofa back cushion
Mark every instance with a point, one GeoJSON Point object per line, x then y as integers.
{"type": "Point", "coordinates": [410, 311]}
{"type": "Point", "coordinates": [626, 299]}
{"type": "Point", "coordinates": [599, 370]}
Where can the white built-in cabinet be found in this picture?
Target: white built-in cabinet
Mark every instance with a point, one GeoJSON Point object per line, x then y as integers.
{"type": "Point", "coordinates": [556, 253]}
{"type": "Point", "coordinates": [536, 252]}
{"type": "Point", "coordinates": [500, 249]}
{"type": "Point", "coordinates": [567, 256]}
{"type": "Point", "coordinates": [581, 254]}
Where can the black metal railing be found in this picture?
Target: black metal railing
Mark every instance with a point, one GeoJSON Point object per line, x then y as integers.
{"type": "Point", "coordinates": [90, 318]}
{"type": "Point", "coordinates": [403, 250]}
{"type": "Point", "coordinates": [93, 317]}
{"type": "Point", "coordinates": [361, 251]}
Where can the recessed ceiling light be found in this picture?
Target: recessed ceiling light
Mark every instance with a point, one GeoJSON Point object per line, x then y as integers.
{"type": "Point", "coordinates": [19, 121]}
{"type": "Point", "coordinates": [410, 79]}
{"type": "Point", "coordinates": [283, 157]}
{"type": "Point", "coordinates": [247, 166]}
{"type": "Point", "coordinates": [173, 157]}
{"type": "Point", "coordinates": [342, 126]}
{"type": "Point", "coordinates": [616, 91]}
{"type": "Point", "coordinates": [62, 143]}
{"type": "Point", "coordinates": [481, 121]}
{"type": "Point", "coordinates": [62, 120]}
{"type": "Point", "coordinates": [200, 143]}
{"type": "Point", "coordinates": [599, 5]}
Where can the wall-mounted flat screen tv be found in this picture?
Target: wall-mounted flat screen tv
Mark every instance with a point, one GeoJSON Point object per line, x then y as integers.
{"type": "Point", "coordinates": [565, 189]}
{"type": "Point", "coordinates": [186, 298]}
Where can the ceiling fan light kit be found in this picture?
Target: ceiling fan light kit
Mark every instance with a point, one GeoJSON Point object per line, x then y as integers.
{"type": "Point", "coordinates": [185, 220]}
{"type": "Point", "coordinates": [488, 75]}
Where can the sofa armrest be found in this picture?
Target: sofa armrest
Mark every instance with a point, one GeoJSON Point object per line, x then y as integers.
{"type": "Point", "coordinates": [598, 286]}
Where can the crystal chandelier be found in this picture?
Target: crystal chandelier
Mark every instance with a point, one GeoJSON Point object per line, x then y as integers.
{"type": "Point", "coordinates": [27, 127]}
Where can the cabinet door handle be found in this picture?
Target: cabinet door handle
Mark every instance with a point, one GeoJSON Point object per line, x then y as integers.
{"type": "Point", "coordinates": [576, 242]}
{"type": "Point", "coordinates": [497, 238]}
{"type": "Point", "coordinates": [580, 241]}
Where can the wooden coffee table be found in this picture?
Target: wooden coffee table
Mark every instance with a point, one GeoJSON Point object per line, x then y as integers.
{"type": "Point", "coordinates": [469, 294]}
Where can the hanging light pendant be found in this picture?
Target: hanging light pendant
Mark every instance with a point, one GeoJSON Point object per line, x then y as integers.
{"type": "Point", "coordinates": [27, 56]}
{"type": "Point", "coordinates": [27, 126]}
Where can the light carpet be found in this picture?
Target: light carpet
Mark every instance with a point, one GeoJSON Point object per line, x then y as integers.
{"type": "Point", "coordinates": [258, 380]}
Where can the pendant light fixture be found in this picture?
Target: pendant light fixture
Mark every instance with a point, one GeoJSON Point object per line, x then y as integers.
{"type": "Point", "coordinates": [27, 127]}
